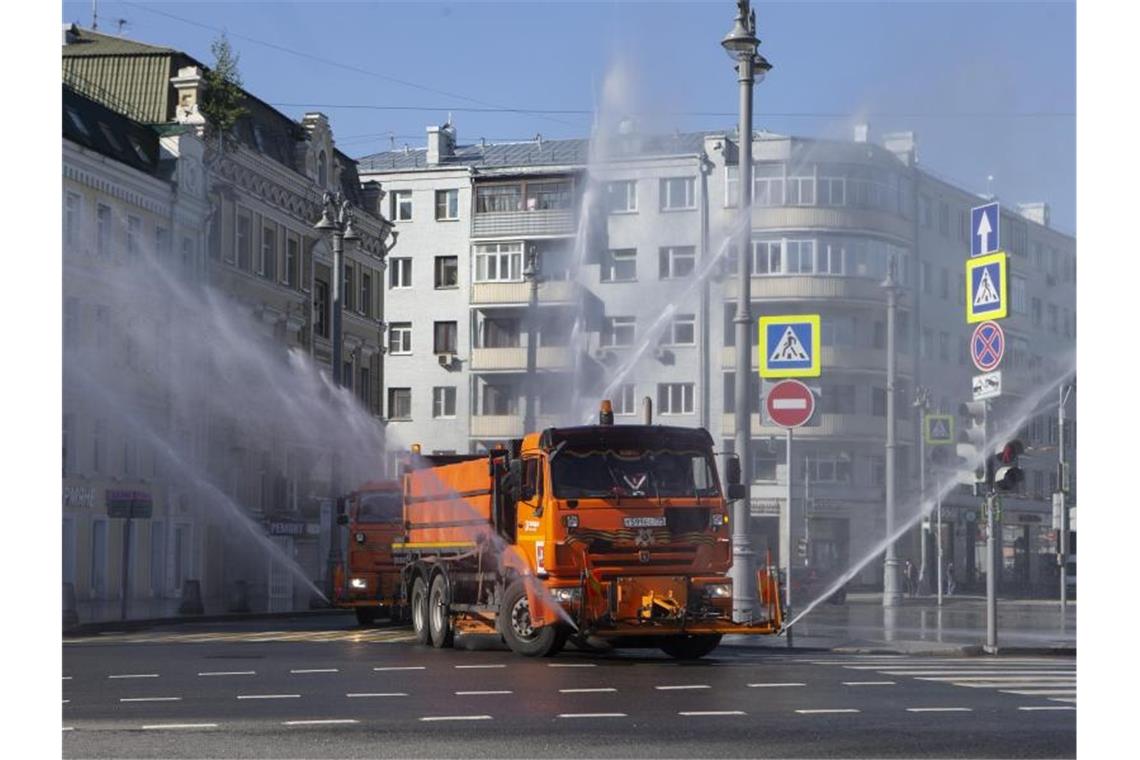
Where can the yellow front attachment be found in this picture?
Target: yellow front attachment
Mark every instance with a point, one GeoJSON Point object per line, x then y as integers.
{"type": "Point", "coordinates": [653, 606]}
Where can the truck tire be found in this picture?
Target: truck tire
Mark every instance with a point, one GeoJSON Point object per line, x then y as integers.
{"type": "Point", "coordinates": [690, 647]}
{"type": "Point", "coordinates": [439, 617]}
{"type": "Point", "coordinates": [420, 611]}
{"type": "Point", "coordinates": [366, 616]}
{"type": "Point", "coordinates": [514, 625]}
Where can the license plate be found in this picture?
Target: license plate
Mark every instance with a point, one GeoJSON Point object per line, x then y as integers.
{"type": "Point", "coordinates": [644, 522]}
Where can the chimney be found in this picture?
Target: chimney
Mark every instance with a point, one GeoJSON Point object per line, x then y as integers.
{"type": "Point", "coordinates": [441, 143]}
{"type": "Point", "coordinates": [903, 145]}
{"type": "Point", "coordinates": [371, 196]}
{"type": "Point", "coordinates": [1035, 212]}
{"type": "Point", "coordinates": [861, 132]}
{"type": "Point", "coordinates": [189, 86]}
{"type": "Point", "coordinates": [70, 34]}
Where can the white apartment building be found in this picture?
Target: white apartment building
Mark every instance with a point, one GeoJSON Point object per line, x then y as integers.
{"type": "Point", "coordinates": [827, 218]}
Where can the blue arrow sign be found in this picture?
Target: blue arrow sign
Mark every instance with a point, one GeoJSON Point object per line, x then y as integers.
{"type": "Point", "coordinates": [985, 235]}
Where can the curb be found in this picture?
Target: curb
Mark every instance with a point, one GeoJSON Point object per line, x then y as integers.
{"type": "Point", "coordinates": [132, 625]}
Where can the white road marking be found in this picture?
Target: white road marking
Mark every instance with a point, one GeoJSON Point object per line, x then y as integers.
{"type": "Point", "coordinates": [772, 685]}
{"type": "Point", "coordinates": [316, 670]}
{"type": "Point", "coordinates": [455, 717]}
{"type": "Point", "coordinates": [1018, 679]}
{"type": "Point", "coordinates": [66, 701]}
{"type": "Point", "coordinates": [229, 673]}
{"type": "Point", "coordinates": [67, 678]}
{"type": "Point", "coordinates": [136, 675]}
{"type": "Point", "coordinates": [403, 667]}
{"type": "Point", "coordinates": [179, 725]}
{"type": "Point", "coordinates": [1042, 692]}
{"type": "Point", "coordinates": [833, 710]}
{"type": "Point", "coordinates": [269, 696]}
{"type": "Point", "coordinates": [327, 722]}
{"type": "Point", "coordinates": [939, 709]}
{"type": "Point", "coordinates": [1063, 699]}
{"type": "Point", "coordinates": [69, 728]}
{"type": "Point", "coordinates": [473, 667]}
{"type": "Point", "coordinates": [869, 683]}
{"type": "Point", "coordinates": [571, 665]}
{"type": "Point", "coordinates": [1049, 707]}
{"type": "Point", "coordinates": [150, 699]}
{"type": "Point", "coordinates": [1027, 684]}
{"type": "Point", "coordinates": [479, 693]}
{"type": "Point", "coordinates": [379, 694]}
{"type": "Point", "coordinates": [964, 672]}
{"type": "Point", "coordinates": [688, 686]}
{"type": "Point", "coordinates": [592, 715]}
{"type": "Point", "coordinates": [712, 712]}
{"type": "Point", "coordinates": [587, 691]}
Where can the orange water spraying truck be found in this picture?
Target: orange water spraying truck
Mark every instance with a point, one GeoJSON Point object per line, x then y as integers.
{"type": "Point", "coordinates": [611, 532]}
{"type": "Point", "coordinates": [369, 580]}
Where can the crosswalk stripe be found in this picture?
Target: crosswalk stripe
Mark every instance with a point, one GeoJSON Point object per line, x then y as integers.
{"type": "Point", "coordinates": [1042, 692]}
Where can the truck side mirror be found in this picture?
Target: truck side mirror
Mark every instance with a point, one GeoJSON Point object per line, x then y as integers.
{"type": "Point", "coordinates": [736, 491]}
{"type": "Point", "coordinates": [732, 470]}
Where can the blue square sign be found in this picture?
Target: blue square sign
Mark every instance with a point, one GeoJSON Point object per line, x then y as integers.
{"type": "Point", "coordinates": [987, 288]}
{"type": "Point", "coordinates": [985, 235]}
{"type": "Point", "coordinates": [789, 346]}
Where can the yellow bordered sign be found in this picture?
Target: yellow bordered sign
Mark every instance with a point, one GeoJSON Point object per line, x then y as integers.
{"type": "Point", "coordinates": [987, 287]}
{"type": "Point", "coordinates": [939, 429]}
{"type": "Point", "coordinates": [789, 346]}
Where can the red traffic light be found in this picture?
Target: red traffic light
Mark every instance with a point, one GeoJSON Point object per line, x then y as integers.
{"type": "Point", "coordinates": [1010, 452]}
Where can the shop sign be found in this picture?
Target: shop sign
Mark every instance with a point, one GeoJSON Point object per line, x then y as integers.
{"type": "Point", "coordinates": [81, 497]}
{"type": "Point", "coordinates": [286, 528]}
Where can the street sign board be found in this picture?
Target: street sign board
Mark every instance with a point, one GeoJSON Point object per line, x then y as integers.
{"type": "Point", "coordinates": [987, 346]}
{"type": "Point", "coordinates": [939, 429]}
{"type": "Point", "coordinates": [790, 403]}
{"type": "Point", "coordinates": [987, 385]}
{"type": "Point", "coordinates": [985, 235]}
{"type": "Point", "coordinates": [789, 346]}
{"type": "Point", "coordinates": [987, 288]}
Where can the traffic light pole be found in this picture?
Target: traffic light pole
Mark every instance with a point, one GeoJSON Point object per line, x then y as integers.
{"type": "Point", "coordinates": [786, 530]}
{"type": "Point", "coordinates": [991, 575]}
{"type": "Point", "coordinates": [1063, 538]}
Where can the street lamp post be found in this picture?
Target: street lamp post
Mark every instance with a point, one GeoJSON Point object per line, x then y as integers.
{"type": "Point", "coordinates": [336, 218]}
{"type": "Point", "coordinates": [922, 404]}
{"type": "Point", "coordinates": [741, 45]}
{"type": "Point", "coordinates": [531, 275]}
{"type": "Point", "coordinates": [891, 595]}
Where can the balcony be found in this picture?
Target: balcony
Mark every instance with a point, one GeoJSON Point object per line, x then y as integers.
{"type": "Point", "coordinates": [837, 425]}
{"type": "Point", "coordinates": [528, 224]}
{"type": "Point", "coordinates": [505, 425]}
{"type": "Point", "coordinates": [812, 288]}
{"type": "Point", "coordinates": [831, 219]}
{"type": "Point", "coordinates": [514, 359]}
{"type": "Point", "coordinates": [550, 292]}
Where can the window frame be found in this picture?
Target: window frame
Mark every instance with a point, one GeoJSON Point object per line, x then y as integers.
{"type": "Point", "coordinates": [400, 266]}
{"type": "Point", "coordinates": [438, 270]}
{"type": "Point", "coordinates": [629, 197]}
{"type": "Point", "coordinates": [404, 329]}
{"type": "Point", "coordinates": [439, 402]}
{"type": "Point", "coordinates": [614, 326]}
{"type": "Point", "coordinates": [400, 198]}
{"type": "Point", "coordinates": [450, 196]}
{"type": "Point", "coordinates": [612, 258]}
{"type": "Point", "coordinates": [689, 191]}
{"type": "Point", "coordinates": [403, 394]}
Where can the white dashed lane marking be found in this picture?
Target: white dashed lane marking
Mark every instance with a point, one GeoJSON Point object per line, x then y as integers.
{"type": "Point", "coordinates": [150, 699]}
{"type": "Point", "coordinates": [326, 722]}
{"type": "Point", "coordinates": [229, 673]}
{"type": "Point", "coordinates": [160, 726]}
{"type": "Point", "coordinates": [403, 667]}
{"type": "Point", "coordinates": [432, 718]}
{"type": "Point", "coordinates": [938, 709]}
{"type": "Point", "coordinates": [869, 683]}
{"type": "Point", "coordinates": [699, 713]}
{"type": "Point", "coordinates": [772, 685]}
{"type": "Point", "coordinates": [592, 715]}
{"type": "Point", "coordinates": [316, 670]}
{"type": "Point", "coordinates": [379, 694]}
{"type": "Point", "coordinates": [136, 675]}
{"type": "Point", "coordinates": [1048, 707]}
{"type": "Point", "coordinates": [269, 696]}
{"type": "Point", "coordinates": [477, 667]}
{"type": "Point", "coordinates": [829, 710]}
{"type": "Point", "coordinates": [685, 686]}
{"type": "Point", "coordinates": [479, 693]}
{"type": "Point", "coordinates": [588, 691]}
{"type": "Point", "coordinates": [571, 665]}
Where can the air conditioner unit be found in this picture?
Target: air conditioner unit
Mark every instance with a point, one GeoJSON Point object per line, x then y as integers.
{"type": "Point", "coordinates": [602, 354]}
{"type": "Point", "coordinates": [662, 354]}
{"type": "Point", "coordinates": [446, 360]}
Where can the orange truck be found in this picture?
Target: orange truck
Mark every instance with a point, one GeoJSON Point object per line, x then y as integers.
{"type": "Point", "coordinates": [619, 533]}
{"type": "Point", "coordinates": [371, 585]}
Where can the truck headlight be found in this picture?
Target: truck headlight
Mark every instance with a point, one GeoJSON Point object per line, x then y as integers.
{"type": "Point", "coordinates": [718, 591]}
{"type": "Point", "coordinates": [566, 595]}
{"type": "Point", "coordinates": [358, 583]}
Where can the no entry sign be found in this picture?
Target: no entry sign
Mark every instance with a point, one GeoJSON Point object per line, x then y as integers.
{"type": "Point", "coordinates": [790, 403]}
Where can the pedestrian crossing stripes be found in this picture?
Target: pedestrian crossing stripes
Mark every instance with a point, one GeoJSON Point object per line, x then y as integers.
{"type": "Point", "coordinates": [352, 636]}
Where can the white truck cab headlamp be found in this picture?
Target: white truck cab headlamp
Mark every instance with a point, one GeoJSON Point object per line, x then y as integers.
{"type": "Point", "coordinates": [718, 590]}
{"type": "Point", "coordinates": [358, 583]}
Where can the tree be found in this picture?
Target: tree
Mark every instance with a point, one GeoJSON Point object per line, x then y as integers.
{"type": "Point", "coordinates": [222, 97]}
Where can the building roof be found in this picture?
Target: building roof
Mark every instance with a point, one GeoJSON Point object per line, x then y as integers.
{"type": "Point", "coordinates": [94, 126]}
{"type": "Point", "coordinates": [82, 42]}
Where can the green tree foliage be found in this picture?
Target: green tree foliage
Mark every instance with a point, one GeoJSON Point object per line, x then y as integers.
{"type": "Point", "coordinates": [223, 97]}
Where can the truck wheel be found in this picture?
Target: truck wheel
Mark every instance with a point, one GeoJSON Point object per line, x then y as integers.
{"type": "Point", "coordinates": [366, 616]}
{"type": "Point", "coordinates": [514, 625]}
{"type": "Point", "coordinates": [690, 647]}
{"type": "Point", "coordinates": [439, 620]}
{"type": "Point", "coordinates": [420, 611]}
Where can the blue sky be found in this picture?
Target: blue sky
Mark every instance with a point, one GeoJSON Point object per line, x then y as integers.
{"type": "Point", "coordinates": [989, 88]}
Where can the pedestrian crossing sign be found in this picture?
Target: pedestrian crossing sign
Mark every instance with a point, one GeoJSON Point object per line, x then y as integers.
{"type": "Point", "coordinates": [789, 346]}
{"type": "Point", "coordinates": [939, 429]}
{"type": "Point", "coordinates": [987, 288]}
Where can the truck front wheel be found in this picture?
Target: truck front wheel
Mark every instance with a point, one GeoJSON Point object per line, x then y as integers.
{"type": "Point", "coordinates": [420, 611]}
{"type": "Point", "coordinates": [515, 626]}
{"type": "Point", "coordinates": [690, 647]}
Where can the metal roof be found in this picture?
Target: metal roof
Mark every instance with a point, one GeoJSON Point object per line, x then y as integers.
{"type": "Point", "coordinates": [94, 126]}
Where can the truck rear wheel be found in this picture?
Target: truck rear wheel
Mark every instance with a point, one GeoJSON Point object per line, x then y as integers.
{"type": "Point", "coordinates": [420, 611]}
{"type": "Point", "coordinates": [439, 619]}
{"type": "Point", "coordinates": [521, 637]}
{"type": "Point", "coordinates": [690, 647]}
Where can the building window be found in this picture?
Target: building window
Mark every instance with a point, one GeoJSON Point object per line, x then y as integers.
{"type": "Point", "coordinates": [924, 215]}
{"type": "Point", "coordinates": [321, 307]}
{"type": "Point", "coordinates": [831, 258]}
{"type": "Point", "coordinates": [621, 197]}
{"type": "Point", "coordinates": [838, 399]}
{"type": "Point", "coordinates": [831, 191]}
{"type": "Point", "coordinates": [103, 229]}
{"type": "Point", "coordinates": [402, 205]}
{"type": "Point", "coordinates": [68, 444]}
{"type": "Point", "coordinates": [244, 242]}
{"type": "Point", "coordinates": [618, 331]}
{"type": "Point", "coordinates": [366, 294]}
{"type": "Point", "coordinates": [677, 262]}
{"type": "Point", "coordinates": [766, 256]}
{"type": "Point", "coordinates": [619, 265]}
{"type": "Point", "coordinates": [549, 196]}
{"type": "Point", "coordinates": [399, 403]}
{"type": "Point", "coordinates": [879, 402]}
{"type": "Point", "coordinates": [499, 400]}
{"type": "Point", "coordinates": [493, 199]}
{"type": "Point", "coordinates": [682, 331]}
{"type": "Point", "coordinates": [800, 255]}
{"type": "Point", "coordinates": [837, 331]}
{"type": "Point", "coordinates": [800, 190]}
{"type": "Point", "coordinates": [98, 441]}
{"type": "Point", "coordinates": [346, 375]}
{"type": "Point", "coordinates": [1052, 308]}
{"type": "Point", "coordinates": [364, 390]}
{"type": "Point", "coordinates": [675, 398]}
{"type": "Point", "coordinates": [944, 346]}
{"type": "Point", "coordinates": [400, 338]}
{"type": "Point", "coordinates": [443, 401]}
{"type": "Point", "coordinates": [72, 218]}
{"type": "Point", "coordinates": [70, 322]}
{"type": "Point", "coordinates": [446, 204]}
{"type": "Point", "coordinates": [944, 219]}
{"type": "Point", "coordinates": [830, 468]}
{"type": "Point", "coordinates": [765, 460]}
{"type": "Point", "coordinates": [291, 248]}
{"type": "Point", "coordinates": [401, 273]}
{"type": "Point", "coordinates": [499, 333]}
{"type": "Point", "coordinates": [134, 231]}
{"type": "Point", "coordinates": [678, 193]}
{"type": "Point", "coordinates": [944, 283]}
{"type": "Point", "coordinates": [963, 352]}
{"type": "Point", "coordinates": [498, 262]}
{"type": "Point", "coordinates": [961, 288]}
{"type": "Point", "coordinates": [626, 403]}
{"type": "Point", "coordinates": [926, 343]}
{"type": "Point", "coordinates": [446, 272]}
{"type": "Point", "coordinates": [879, 335]}
{"type": "Point", "coordinates": [349, 291]}
{"type": "Point", "coordinates": [927, 277]}
{"type": "Point", "coordinates": [1035, 310]}
{"type": "Point", "coordinates": [1068, 321]}
{"type": "Point", "coordinates": [768, 185]}
{"type": "Point", "coordinates": [1018, 302]}
{"type": "Point", "coordinates": [161, 242]}
{"type": "Point", "coordinates": [267, 266]}
{"type": "Point", "coordinates": [446, 337]}
{"type": "Point", "coordinates": [188, 254]}
{"type": "Point", "coordinates": [322, 169]}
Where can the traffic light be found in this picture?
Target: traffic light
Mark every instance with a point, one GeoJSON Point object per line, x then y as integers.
{"type": "Point", "coordinates": [977, 468]}
{"type": "Point", "coordinates": [1006, 474]}
{"type": "Point", "coordinates": [802, 547]}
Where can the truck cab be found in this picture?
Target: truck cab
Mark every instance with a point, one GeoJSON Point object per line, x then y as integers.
{"type": "Point", "coordinates": [374, 517]}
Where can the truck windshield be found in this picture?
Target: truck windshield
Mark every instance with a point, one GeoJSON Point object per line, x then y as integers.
{"type": "Point", "coordinates": [380, 507]}
{"type": "Point", "coordinates": [606, 473]}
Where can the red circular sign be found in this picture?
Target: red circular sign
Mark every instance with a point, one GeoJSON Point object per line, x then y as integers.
{"type": "Point", "coordinates": [790, 403]}
{"type": "Point", "coordinates": [987, 346]}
